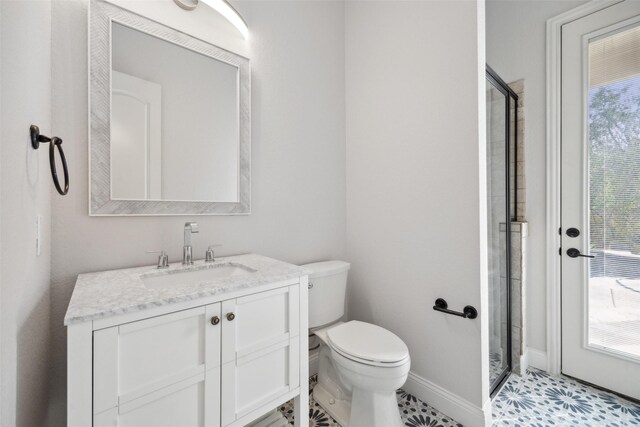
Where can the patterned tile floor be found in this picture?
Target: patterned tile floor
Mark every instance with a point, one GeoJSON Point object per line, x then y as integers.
{"type": "Point", "coordinates": [540, 399]}
{"type": "Point", "coordinates": [535, 400]}
{"type": "Point", "coordinates": [414, 412]}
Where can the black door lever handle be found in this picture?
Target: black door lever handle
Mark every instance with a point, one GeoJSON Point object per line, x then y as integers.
{"type": "Point", "coordinates": [575, 253]}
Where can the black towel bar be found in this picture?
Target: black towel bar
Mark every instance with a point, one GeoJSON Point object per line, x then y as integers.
{"type": "Point", "coordinates": [469, 312]}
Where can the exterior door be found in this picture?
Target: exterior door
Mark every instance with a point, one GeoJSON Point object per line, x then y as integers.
{"type": "Point", "coordinates": [601, 198]}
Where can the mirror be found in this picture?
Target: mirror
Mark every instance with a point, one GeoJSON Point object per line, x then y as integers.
{"type": "Point", "coordinates": [170, 135]}
{"type": "Point", "coordinates": [174, 121]}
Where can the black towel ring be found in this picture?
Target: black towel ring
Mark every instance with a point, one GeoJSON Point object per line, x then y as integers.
{"type": "Point", "coordinates": [36, 139]}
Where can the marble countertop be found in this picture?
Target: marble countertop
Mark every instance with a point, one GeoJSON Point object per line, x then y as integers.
{"type": "Point", "coordinates": [110, 293]}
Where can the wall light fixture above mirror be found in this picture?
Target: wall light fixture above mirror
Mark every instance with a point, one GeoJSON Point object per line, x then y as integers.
{"type": "Point", "coordinates": [223, 8]}
{"type": "Point", "coordinates": [170, 120]}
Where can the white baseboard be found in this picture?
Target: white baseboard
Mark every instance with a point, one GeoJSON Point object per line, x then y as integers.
{"type": "Point", "coordinates": [450, 404]}
{"type": "Point", "coordinates": [536, 358]}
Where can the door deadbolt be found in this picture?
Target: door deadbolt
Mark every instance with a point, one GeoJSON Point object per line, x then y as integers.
{"type": "Point", "coordinates": [573, 232]}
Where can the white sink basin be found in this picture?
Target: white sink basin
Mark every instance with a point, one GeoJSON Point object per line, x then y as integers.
{"type": "Point", "coordinates": [194, 276]}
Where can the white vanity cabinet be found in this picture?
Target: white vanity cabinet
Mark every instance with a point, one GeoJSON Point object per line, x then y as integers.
{"type": "Point", "coordinates": [218, 361]}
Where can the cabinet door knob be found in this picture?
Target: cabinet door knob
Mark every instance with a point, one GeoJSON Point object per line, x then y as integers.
{"type": "Point", "coordinates": [215, 320]}
{"type": "Point", "coordinates": [230, 316]}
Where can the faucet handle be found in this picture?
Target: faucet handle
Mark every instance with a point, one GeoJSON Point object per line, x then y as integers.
{"type": "Point", "coordinates": [209, 255]}
{"type": "Point", "coordinates": [192, 226]}
{"type": "Point", "coordinates": [163, 258]}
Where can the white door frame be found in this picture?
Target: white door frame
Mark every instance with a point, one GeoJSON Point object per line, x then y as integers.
{"type": "Point", "coordinates": [554, 42]}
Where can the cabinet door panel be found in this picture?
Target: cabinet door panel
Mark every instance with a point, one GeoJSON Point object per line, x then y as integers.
{"type": "Point", "coordinates": [260, 347]}
{"type": "Point", "coordinates": [107, 418]}
{"type": "Point", "coordinates": [261, 318]}
{"type": "Point", "coordinates": [294, 363]}
{"type": "Point", "coordinates": [257, 378]}
{"type": "Point", "coordinates": [183, 407]}
{"type": "Point", "coordinates": [212, 397]}
{"type": "Point", "coordinates": [105, 369]}
{"type": "Point", "coordinates": [261, 378]}
{"type": "Point", "coordinates": [162, 371]}
{"type": "Point", "coordinates": [161, 347]}
{"type": "Point", "coordinates": [181, 404]}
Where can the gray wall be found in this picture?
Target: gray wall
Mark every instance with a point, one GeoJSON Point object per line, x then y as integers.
{"type": "Point", "coordinates": [298, 158]}
{"type": "Point", "coordinates": [416, 183]}
{"type": "Point", "coordinates": [516, 48]}
{"type": "Point", "coordinates": [25, 193]}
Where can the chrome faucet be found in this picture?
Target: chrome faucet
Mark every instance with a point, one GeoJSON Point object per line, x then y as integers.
{"type": "Point", "coordinates": [189, 229]}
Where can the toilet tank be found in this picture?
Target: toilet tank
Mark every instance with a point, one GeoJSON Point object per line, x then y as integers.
{"type": "Point", "coordinates": [327, 289]}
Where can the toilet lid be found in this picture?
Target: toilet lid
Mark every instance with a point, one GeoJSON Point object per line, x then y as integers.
{"type": "Point", "coordinates": [367, 342]}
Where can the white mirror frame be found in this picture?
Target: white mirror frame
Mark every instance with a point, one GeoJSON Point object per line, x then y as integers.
{"type": "Point", "coordinates": [102, 15]}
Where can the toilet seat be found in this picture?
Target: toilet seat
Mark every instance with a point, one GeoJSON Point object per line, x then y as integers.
{"type": "Point", "coordinates": [368, 344]}
{"type": "Point", "coordinates": [371, 362]}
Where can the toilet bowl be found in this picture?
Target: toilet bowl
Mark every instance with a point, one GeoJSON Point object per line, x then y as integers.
{"type": "Point", "coordinates": [371, 364]}
{"type": "Point", "coordinates": [361, 365]}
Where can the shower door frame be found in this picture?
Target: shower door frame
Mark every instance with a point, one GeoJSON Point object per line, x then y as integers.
{"type": "Point", "coordinates": [511, 97]}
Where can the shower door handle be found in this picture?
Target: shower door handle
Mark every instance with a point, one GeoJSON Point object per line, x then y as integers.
{"type": "Point", "coordinates": [575, 253]}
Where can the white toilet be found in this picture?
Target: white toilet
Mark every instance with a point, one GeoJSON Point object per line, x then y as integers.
{"type": "Point", "coordinates": [361, 365]}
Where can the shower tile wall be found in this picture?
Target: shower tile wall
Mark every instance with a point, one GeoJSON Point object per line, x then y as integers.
{"type": "Point", "coordinates": [519, 235]}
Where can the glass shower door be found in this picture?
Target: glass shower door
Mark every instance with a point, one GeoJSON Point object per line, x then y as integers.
{"type": "Point", "coordinates": [500, 209]}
